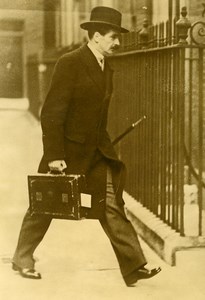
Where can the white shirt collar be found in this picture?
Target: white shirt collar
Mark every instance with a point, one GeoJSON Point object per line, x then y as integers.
{"type": "Point", "coordinates": [96, 53]}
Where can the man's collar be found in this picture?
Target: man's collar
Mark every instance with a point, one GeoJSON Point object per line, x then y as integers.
{"type": "Point", "coordinates": [96, 53]}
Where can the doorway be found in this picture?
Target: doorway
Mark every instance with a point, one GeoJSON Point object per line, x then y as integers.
{"type": "Point", "coordinates": [11, 64]}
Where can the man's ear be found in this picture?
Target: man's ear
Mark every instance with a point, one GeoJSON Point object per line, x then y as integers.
{"type": "Point", "coordinates": [96, 36]}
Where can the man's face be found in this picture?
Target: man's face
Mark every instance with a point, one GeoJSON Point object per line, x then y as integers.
{"type": "Point", "coordinates": [108, 43]}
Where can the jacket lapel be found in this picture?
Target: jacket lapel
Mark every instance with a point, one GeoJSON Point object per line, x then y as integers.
{"type": "Point", "coordinates": [92, 67]}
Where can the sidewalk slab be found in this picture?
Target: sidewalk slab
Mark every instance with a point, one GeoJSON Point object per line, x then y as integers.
{"type": "Point", "coordinates": [14, 103]}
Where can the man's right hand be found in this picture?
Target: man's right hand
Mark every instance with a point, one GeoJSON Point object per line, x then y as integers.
{"type": "Point", "coordinates": [57, 165]}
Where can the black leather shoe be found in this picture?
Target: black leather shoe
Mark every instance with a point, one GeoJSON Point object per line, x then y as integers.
{"type": "Point", "coordinates": [26, 273]}
{"type": "Point", "coordinates": [141, 273]}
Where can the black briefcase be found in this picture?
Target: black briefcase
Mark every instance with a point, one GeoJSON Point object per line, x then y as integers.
{"type": "Point", "coordinates": [59, 196]}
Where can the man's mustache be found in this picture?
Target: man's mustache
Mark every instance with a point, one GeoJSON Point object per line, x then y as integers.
{"type": "Point", "coordinates": [116, 47]}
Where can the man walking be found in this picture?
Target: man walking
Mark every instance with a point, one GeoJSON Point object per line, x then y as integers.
{"type": "Point", "coordinates": [74, 119]}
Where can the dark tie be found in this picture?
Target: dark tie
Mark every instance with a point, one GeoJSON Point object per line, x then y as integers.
{"type": "Point", "coordinates": [101, 63]}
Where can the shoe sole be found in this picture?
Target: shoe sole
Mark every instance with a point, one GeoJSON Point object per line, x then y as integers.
{"type": "Point", "coordinates": [157, 271]}
{"type": "Point", "coordinates": [25, 275]}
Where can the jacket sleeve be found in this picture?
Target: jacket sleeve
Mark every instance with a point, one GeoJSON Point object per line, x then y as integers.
{"type": "Point", "coordinates": [55, 109]}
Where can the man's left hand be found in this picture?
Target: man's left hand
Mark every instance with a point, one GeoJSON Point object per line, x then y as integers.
{"type": "Point", "coordinates": [57, 166]}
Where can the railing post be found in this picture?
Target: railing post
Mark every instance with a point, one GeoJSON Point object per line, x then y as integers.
{"type": "Point", "coordinates": [183, 25]}
{"type": "Point", "coordinates": [144, 35]}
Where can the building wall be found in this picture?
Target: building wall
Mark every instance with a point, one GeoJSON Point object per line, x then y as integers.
{"type": "Point", "coordinates": [31, 15]}
{"type": "Point", "coordinates": [134, 13]}
{"type": "Point", "coordinates": [160, 11]}
{"type": "Point", "coordinates": [73, 13]}
{"type": "Point", "coordinates": [196, 9]}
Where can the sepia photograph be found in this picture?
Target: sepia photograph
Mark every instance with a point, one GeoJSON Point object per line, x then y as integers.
{"type": "Point", "coordinates": [102, 149]}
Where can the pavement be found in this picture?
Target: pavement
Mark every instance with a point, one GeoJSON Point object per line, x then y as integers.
{"type": "Point", "coordinates": [75, 258]}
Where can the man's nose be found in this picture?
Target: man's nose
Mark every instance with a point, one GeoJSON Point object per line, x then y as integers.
{"type": "Point", "coordinates": [117, 42]}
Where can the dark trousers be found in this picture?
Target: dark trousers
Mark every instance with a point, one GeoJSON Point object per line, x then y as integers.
{"type": "Point", "coordinates": [119, 230]}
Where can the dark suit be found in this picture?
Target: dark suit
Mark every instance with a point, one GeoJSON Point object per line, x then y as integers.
{"type": "Point", "coordinates": [74, 120]}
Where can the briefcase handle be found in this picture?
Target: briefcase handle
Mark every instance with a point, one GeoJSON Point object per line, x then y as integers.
{"type": "Point", "coordinates": [56, 172]}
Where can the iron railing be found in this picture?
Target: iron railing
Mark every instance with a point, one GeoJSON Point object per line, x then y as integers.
{"type": "Point", "coordinates": [164, 80]}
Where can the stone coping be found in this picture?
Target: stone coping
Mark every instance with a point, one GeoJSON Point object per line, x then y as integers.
{"type": "Point", "coordinates": [158, 235]}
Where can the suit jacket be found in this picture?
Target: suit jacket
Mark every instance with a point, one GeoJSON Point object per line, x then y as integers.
{"type": "Point", "coordinates": [74, 119]}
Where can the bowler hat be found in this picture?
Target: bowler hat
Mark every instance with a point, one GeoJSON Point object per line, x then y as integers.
{"type": "Point", "coordinates": [104, 15]}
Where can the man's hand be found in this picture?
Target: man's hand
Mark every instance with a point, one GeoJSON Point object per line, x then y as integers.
{"type": "Point", "coordinates": [57, 165]}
